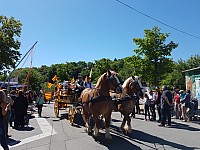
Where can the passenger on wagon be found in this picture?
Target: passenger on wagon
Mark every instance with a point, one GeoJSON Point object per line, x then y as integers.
{"type": "Point", "coordinates": [88, 83]}
{"type": "Point", "coordinates": [79, 85]}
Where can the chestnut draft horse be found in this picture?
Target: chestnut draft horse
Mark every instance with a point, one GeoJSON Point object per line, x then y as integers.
{"type": "Point", "coordinates": [97, 102]}
{"type": "Point", "coordinates": [125, 102]}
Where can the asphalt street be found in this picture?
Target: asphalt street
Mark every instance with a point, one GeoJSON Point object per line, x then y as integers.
{"type": "Point", "coordinates": [51, 133]}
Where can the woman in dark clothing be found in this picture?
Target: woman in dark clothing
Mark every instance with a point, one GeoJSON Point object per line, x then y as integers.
{"type": "Point", "coordinates": [20, 108]}
{"type": "Point", "coordinates": [3, 111]}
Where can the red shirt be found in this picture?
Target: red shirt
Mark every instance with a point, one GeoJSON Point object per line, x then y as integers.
{"type": "Point", "coordinates": [177, 98]}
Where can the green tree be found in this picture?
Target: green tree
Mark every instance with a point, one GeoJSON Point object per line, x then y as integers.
{"type": "Point", "coordinates": [28, 76]}
{"type": "Point", "coordinates": [10, 30]}
{"type": "Point", "coordinates": [155, 53]}
{"type": "Point", "coordinates": [193, 62]}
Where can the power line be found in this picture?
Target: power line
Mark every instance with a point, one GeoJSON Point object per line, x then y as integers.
{"type": "Point", "coordinates": [157, 20]}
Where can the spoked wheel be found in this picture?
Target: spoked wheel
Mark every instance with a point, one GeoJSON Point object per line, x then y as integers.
{"type": "Point", "coordinates": [56, 108]}
{"type": "Point", "coordinates": [71, 115]}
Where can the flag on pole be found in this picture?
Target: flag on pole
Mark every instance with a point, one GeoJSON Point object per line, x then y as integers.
{"type": "Point", "coordinates": [90, 73]}
{"type": "Point", "coordinates": [49, 85]}
{"type": "Point", "coordinates": [55, 78]}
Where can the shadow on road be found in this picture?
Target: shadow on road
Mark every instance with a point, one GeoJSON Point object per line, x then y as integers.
{"type": "Point", "coordinates": [25, 128]}
{"type": "Point", "coordinates": [116, 143]}
{"type": "Point", "coordinates": [183, 126]}
{"type": "Point", "coordinates": [141, 137]}
{"type": "Point", "coordinates": [12, 142]}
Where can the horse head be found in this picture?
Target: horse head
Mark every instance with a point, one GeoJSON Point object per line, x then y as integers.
{"type": "Point", "coordinates": [133, 86]}
{"type": "Point", "coordinates": [107, 81]}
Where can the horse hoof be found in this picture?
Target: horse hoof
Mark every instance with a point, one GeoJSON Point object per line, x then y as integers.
{"type": "Point", "coordinates": [86, 130]}
{"type": "Point", "coordinates": [129, 131]}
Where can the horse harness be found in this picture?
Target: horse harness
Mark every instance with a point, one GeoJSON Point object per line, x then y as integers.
{"type": "Point", "coordinates": [94, 99]}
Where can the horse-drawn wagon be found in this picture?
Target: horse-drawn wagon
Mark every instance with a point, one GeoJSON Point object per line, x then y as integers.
{"type": "Point", "coordinates": [65, 98]}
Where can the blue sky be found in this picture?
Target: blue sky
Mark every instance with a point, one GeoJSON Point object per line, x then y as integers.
{"type": "Point", "coordinates": [88, 30]}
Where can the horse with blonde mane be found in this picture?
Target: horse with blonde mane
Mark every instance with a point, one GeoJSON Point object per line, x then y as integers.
{"type": "Point", "coordinates": [125, 102]}
{"type": "Point", "coordinates": [97, 102]}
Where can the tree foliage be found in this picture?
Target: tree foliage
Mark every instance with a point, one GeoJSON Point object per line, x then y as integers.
{"type": "Point", "coordinates": [155, 52]}
{"type": "Point", "coordinates": [10, 30]}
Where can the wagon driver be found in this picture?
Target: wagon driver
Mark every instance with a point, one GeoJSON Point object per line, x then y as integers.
{"type": "Point", "coordinates": [79, 85]}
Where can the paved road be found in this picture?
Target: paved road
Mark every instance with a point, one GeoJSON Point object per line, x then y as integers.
{"type": "Point", "coordinates": [51, 133]}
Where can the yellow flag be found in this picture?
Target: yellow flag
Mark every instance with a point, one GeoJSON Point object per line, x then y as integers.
{"type": "Point", "coordinates": [55, 78]}
{"type": "Point", "coordinates": [49, 85]}
{"type": "Point", "coordinates": [73, 80]}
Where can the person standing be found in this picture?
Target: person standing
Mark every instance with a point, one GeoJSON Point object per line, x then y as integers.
{"type": "Point", "coordinates": [20, 108]}
{"type": "Point", "coordinates": [186, 106]}
{"type": "Point", "coordinates": [157, 96]}
{"type": "Point", "coordinates": [177, 107]}
{"type": "Point", "coordinates": [6, 117]}
{"type": "Point", "coordinates": [166, 108]}
{"type": "Point", "coordinates": [13, 95]}
{"type": "Point", "coordinates": [3, 111]}
{"type": "Point", "coordinates": [152, 105]}
{"type": "Point", "coordinates": [146, 107]}
{"type": "Point", "coordinates": [40, 102]}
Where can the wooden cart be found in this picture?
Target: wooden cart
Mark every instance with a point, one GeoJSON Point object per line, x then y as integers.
{"type": "Point", "coordinates": [66, 98]}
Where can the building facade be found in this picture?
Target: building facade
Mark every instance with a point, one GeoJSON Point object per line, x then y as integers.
{"type": "Point", "coordinates": [192, 78]}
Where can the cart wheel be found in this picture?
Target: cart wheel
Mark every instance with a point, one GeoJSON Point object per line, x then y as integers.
{"type": "Point", "coordinates": [71, 115]}
{"type": "Point", "coordinates": [56, 108]}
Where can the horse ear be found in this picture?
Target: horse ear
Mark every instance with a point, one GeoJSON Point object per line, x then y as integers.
{"type": "Point", "coordinates": [108, 73]}
{"type": "Point", "coordinates": [133, 77]}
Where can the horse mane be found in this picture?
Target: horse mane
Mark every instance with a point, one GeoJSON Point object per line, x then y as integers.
{"type": "Point", "coordinates": [99, 80]}
{"type": "Point", "coordinates": [127, 81]}
{"type": "Point", "coordinates": [102, 76]}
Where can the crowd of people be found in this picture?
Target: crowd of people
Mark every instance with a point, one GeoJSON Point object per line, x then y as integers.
{"type": "Point", "coordinates": [166, 104]}
{"type": "Point", "coordinates": [13, 109]}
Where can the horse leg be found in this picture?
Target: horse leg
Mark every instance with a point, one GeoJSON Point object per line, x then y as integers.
{"type": "Point", "coordinates": [96, 126]}
{"type": "Point", "coordinates": [129, 124]}
{"type": "Point", "coordinates": [86, 117]}
{"type": "Point", "coordinates": [123, 124]}
{"type": "Point", "coordinates": [107, 121]}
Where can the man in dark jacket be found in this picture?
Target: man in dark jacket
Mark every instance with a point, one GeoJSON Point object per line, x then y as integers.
{"type": "Point", "coordinates": [166, 103]}
{"type": "Point", "coordinates": [20, 109]}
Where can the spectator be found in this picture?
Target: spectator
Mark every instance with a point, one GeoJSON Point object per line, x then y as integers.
{"type": "Point", "coordinates": [40, 102]}
{"type": "Point", "coordinates": [166, 101]}
{"type": "Point", "coordinates": [13, 95]}
{"type": "Point", "coordinates": [186, 106]}
{"type": "Point", "coordinates": [3, 111]}
{"type": "Point", "coordinates": [177, 107]}
{"type": "Point", "coordinates": [6, 117]}
{"type": "Point", "coordinates": [152, 105]}
{"type": "Point", "coordinates": [30, 97]}
{"type": "Point", "coordinates": [146, 107]}
{"type": "Point", "coordinates": [158, 102]}
{"type": "Point", "coordinates": [20, 108]}
{"type": "Point", "coordinates": [182, 95]}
